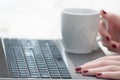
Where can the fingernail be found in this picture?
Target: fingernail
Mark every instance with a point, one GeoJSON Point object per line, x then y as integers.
{"type": "Point", "coordinates": [107, 38]}
{"type": "Point", "coordinates": [104, 12]}
{"type": "Point", "coordinates": [99, 74]}
{"type": "Point", "coordinates": [114, 46]}
{"type": "Point", "coordinates": [78, 69]}
{"type": "Point", "coordinates": [85, 71]}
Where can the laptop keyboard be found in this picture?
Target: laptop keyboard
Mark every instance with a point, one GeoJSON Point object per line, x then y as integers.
{"type": "Point", "coordinates": [35, 59]}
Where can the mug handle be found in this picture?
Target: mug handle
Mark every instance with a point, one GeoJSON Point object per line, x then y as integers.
{"type": "Point", "coordinates": [106, 23]}
{"type": "Point", "coordinates": [106, 27]}
{"type": "Point", "coordinates": [98, 38]}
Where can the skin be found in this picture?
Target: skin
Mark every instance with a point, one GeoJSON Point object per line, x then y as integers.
{"type": "Point", "coordinates": [113, 33]}
{"type": "Point", "coordinates": [107, 67]}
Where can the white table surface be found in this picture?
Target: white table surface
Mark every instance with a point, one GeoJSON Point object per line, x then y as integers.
{"type": "Point", "coordinates": [32, 19]}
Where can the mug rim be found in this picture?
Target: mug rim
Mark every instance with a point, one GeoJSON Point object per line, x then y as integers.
{"type": "Point", "coordinates": [80, 11]}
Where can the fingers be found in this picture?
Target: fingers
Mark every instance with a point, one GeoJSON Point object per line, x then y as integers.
{"type": "Point", "coordinates": [97, 63]}
{"type": "Point", "coordinates": [110, 17]}
{"type": "Point", "coordinates": [106, 39]}
{"type": "Point", "coordinates": [105, 67]}
{"type": "Point", "coordinates": [107, 72]}
{"type": "Point", "coordinates": [93, 71]}
{"type": "Point", "coordinates": [106, 15]}
{"type": "Point", "coordinates": [113, 57]}
{"type": "Point", "coordinates": [112, 45]}
{"type": "Point", "coordinates": [109, 75]}
{"type": "Point", "coordinates": [105, 35]}
{"type": "Point", "coordinates": [100, 63]}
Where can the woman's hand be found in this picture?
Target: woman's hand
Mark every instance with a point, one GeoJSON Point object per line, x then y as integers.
{"type": "Point", "coordinates": [110, 38]}
{"type": "Point", "coordinates": [107, 67]}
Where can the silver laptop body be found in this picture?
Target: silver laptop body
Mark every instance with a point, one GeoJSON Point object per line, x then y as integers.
{"type": "Point", "coordinates": [71, 60]}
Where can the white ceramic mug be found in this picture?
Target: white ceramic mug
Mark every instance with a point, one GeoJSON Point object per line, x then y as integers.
{"type": "Point", "coordinates": [79, 29]}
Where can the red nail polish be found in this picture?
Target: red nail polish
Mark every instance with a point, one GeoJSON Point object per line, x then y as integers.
{"type": "Point", "coordinates": [104, 12]}
{"type": "Point", "coordinates": [99, 74]}
{"type": "Point", "coordinates": [85, 71]}
{"type": "Point", "coordinates": [114, 46]}
{"type": "Point", "coordinates": [107, 38]}
{"type": "Point", "coordinates": [78, 69]}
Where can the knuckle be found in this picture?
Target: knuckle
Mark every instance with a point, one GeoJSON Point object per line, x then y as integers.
{"type": "Point", "coordinates": [112, 68]}
{"type": "Point", "coordinates": [104, 62]}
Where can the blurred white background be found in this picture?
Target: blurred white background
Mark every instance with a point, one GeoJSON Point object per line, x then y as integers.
{"type": "Point", "coordinates": [41, 18]}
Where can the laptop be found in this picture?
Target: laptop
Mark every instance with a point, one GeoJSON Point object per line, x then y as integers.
{"type": "Point", "coordinates": [41, 60]}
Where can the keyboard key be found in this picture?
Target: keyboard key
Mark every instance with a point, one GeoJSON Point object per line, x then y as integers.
{"type": "Point", "coordinates": [15, 42]}
{"type": "Point", "coordinates": [23, 72]}
{"type": "Point", "coordinates": [33, 42]}
{"type": "Point", "coordinates": [66, 76]}
{"type": "Point", "coordinates": [33, 70]}
{"type": "Point", "coordinates": [14, 75]}
{"type": "Point", "coordinates": [24, 76]}
{"type": "Point", "coordinates": [25, 42]}
{"type": "Point", "coordinates": [59, 61]}
{"type": "Point", "coordinates": [35, 76]}
{"type": "Point", "coordinates": [45, 75]}
{"type": "Point", "coordinates": [55, 76]}
{"type": "Point", "coordinates": [7, 42]}
{"type": "Point", "coordinates": [54, 71]}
